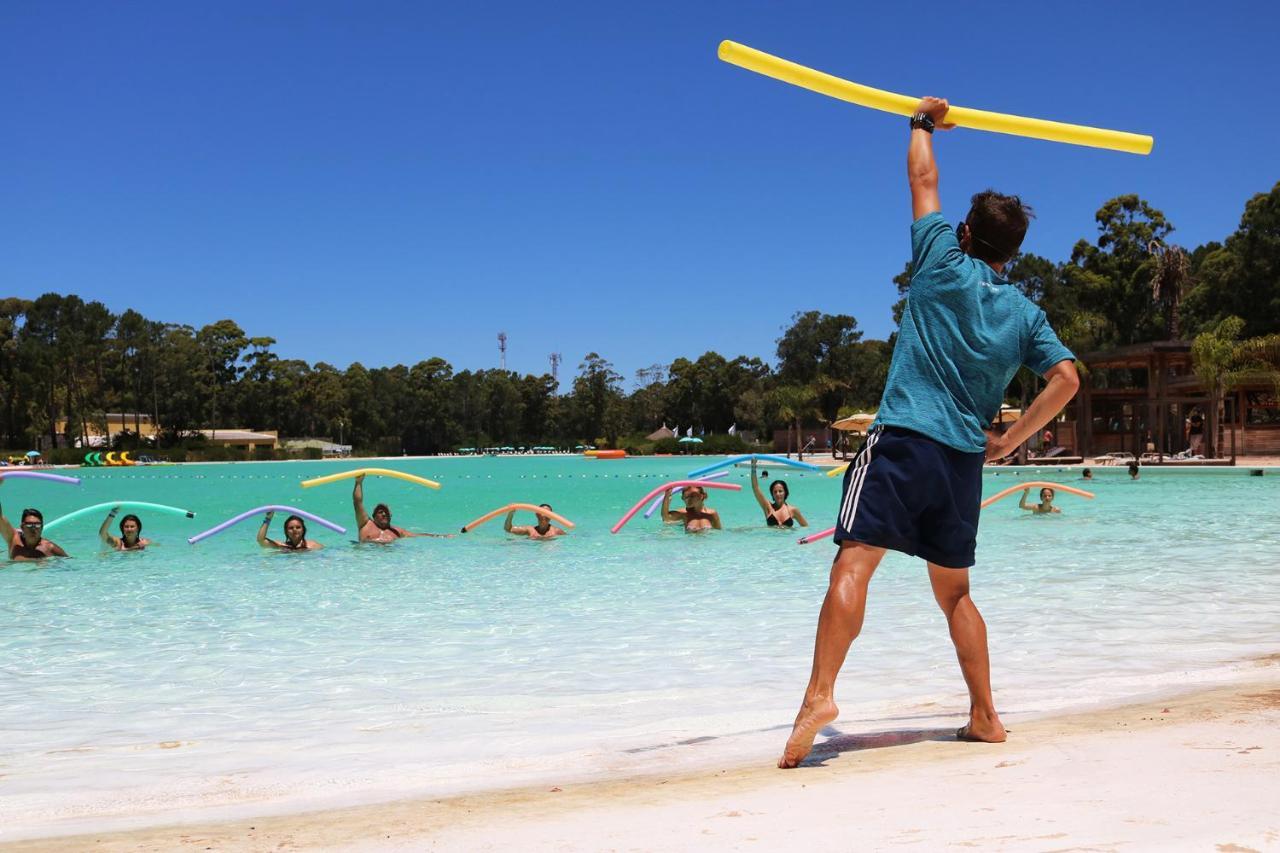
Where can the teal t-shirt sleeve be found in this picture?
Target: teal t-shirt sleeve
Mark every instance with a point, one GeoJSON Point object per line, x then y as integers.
{"type": "Point", "coordinates": [1044, 350]}
{"type": "Point", "coordinates": [933, 245]}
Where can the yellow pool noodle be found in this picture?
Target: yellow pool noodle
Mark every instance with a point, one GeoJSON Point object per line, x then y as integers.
{"type": "Point", "coordinates": [377, 472]}
{"type": "Point", "coordinates": [878, 99]}
{"type": "Point", "coordinates": [838, 470]}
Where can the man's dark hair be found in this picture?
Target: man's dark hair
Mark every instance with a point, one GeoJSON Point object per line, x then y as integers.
{"type": "Point", "coordinates": [29, 511]}
{"type": "Point", "coordinates": [997, 224]}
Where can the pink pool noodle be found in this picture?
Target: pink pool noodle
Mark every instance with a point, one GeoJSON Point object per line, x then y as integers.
{"type": "Point", "coordinates": [218, 528]}
{"type": "Point", "coordinates": [673, 485]}
{"type": "Point", "coordinates": [653, 507]}
{"type": "Point", "coordinates": [814, 537]}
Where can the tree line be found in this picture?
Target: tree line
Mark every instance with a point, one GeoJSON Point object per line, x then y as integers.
{"type": "Point", "coordinates": [67, 361]}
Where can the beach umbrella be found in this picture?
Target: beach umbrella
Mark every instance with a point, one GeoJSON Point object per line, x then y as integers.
{"type": "Point", "coordinates": [1008, 415]}
{"type": "Point", "coordinates": [854, 423]}
{"type": "Point", "coordinates": [689, 439]}
{"type": "Point", "coordinates": [31, 453]}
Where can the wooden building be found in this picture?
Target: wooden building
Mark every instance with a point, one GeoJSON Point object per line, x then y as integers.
{"type": "Point", "coordinates": [1141, 397]}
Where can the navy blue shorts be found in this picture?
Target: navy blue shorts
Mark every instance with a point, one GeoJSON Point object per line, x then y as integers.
{"type": "Point", "coordinates": [909, 493]}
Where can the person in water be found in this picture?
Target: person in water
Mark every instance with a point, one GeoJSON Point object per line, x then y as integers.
{"type": "Point", "coordinates": [378, 527]}
{"type": "Point", "coordinates": [29, 543]}
{"type": "Point", "coordinates": [295, 535]}
{"type": "Point", "coordinates": [695, 516]}
{"type": "Point", "coordinates": [915, 486]}
{"type": "Point", "coordinates": [1045, 507]}
{"type": "Point", "coordinates": [544, 529]}
{"type": "Point", "coordinates": [130, 533]}
{"type": "Point", "coordinates": [779, 513]}
{"type": "Point", "coordinates": [1088, 473]}
{"type": "Point", "coordinates": [1133, 470]}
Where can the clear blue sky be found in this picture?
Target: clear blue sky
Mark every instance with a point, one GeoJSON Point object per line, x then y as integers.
{"type": "Point", "coordinates": [388, 181]}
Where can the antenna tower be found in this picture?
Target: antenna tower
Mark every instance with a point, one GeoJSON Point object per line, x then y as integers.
{"type": "Point", "coordinates": [502, 350]}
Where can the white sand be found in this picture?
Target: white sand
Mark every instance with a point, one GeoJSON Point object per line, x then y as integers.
{"type": "Point", "coordinates": [1198, 771]}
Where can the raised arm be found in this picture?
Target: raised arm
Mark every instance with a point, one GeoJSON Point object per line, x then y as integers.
{"type": "Point", "coordinates": [667, 513]}
{"type": "Point", "coordinates": [514, 529]}
{"type": "Point", "coordinates": [755, 488]}
{"type": "Point", "coordinates": [922, 171]}
{"type": "Point", "coordinates": [262, 531]}
{"type": "Point", "coordinates": [1022, 502]}
{"type": "Point", "coordinates": [6, 529]}
{"type": "Point", "coordinates": [104, 532]}
{"type": "Point", "coordinates": [357, 498]}
{"type": "Point", "coordinates": [1063, 382]}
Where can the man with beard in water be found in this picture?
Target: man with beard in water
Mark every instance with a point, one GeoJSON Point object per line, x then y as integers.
{"type": "Point", "coordinates": [378, 527]}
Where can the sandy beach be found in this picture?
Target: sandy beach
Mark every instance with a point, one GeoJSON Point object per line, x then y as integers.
{"type": "Point", "coordinates": [1177, 771]}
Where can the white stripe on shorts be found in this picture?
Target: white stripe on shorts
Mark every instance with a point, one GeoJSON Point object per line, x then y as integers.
{"type": "Point", "coordinates": [849, 507]}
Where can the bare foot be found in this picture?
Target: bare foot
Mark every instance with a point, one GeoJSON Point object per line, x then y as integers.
{"type": "Point", "coordinates": [982, 730]}
{"type": "Point", "coordinates": [812, 717]}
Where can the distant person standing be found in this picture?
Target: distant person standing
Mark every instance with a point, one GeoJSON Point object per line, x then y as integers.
{"type": "Point", "coordinates": [1195, 433]}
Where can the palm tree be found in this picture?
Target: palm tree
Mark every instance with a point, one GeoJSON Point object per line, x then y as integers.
{"type": "Point", "coordinates": [1171, 279]}
{"type": "Point", "coordinates": [793, 404]}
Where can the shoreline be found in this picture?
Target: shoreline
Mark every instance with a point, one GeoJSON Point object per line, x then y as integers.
{"type": "Point", "coordinates": [1178, 766]}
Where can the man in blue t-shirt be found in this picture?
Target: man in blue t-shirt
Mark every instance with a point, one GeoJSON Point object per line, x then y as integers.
{"type": "Point", "coordinates": [916, 484]}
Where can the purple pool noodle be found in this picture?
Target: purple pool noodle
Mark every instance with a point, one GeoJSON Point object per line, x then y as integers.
{"type": "Point", "coordinates": [218, 528]}
{"type": "Point", "coordinates": [41, 475]}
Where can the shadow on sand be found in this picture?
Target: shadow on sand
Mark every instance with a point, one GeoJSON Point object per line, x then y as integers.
{"type": "Point", "coordinates": [837, 743]}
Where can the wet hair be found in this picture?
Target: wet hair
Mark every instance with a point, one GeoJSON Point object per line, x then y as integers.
{"type": "Point", "coordinates": [1051, 492]}
{"type": "Point", "coordinates": [546, 506]}
{"type": "Point", "coordinates": [688, 489]}
{"type": "Point", "coordinates": [383, 507]}
{"type": "Point", "coordinates": [996, 223]}
{"type": "Point", "coordinates": [1133, 467]}
{"type": "Point", "coordinates": [133, 518]}
{"type": "Point", "coordinates": [786, 492]}
{"type": "Point", "coordinates": [30, 511]}
{"type": "Point", "coordinates": [298, 519]}
{"type": "Point", "coordinates": [1088, 472]}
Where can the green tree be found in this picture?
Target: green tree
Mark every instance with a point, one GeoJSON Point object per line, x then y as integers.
{"type": "Point", "coordinates": [1114, 276]}
{"type": "Point", "coordinates": [1222, 362]}
{"type": "Point", "coordinates": [596, 385]}
{"type": "Point", "coordinates": [1241, 276]}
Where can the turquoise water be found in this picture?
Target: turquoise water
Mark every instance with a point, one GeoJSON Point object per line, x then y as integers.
{"type": "Point", "coordinates": [221, 677]}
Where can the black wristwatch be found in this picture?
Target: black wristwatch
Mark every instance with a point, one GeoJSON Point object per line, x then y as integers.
{"type": "Point", "coordinates": [922, 121]}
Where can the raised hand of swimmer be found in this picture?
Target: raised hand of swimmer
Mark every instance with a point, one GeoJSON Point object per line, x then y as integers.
{"type": "Point", "coordinates": [935, 108]}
